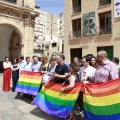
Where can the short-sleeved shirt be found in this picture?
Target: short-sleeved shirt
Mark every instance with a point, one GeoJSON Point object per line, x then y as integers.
{"type": "Point", "coordinates": [35, 67]}
{"type": "Point", "coordinates": [61, 69]}
{"type": "Point", "coordinates": [28, 66]}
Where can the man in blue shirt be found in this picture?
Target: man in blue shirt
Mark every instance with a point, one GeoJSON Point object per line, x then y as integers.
{"type": "Point", "coordinates": [35, 67]}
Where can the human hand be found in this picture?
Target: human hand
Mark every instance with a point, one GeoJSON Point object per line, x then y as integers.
{"type": "Point", "coordinates": [54, 75]}
{"type": "Point", "coordinates": [85, 82]}
{"type": "Point", "coordinates": [62, 90]}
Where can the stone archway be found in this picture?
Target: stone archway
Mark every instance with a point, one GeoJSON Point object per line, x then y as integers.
{"type": "Point", "coordinates": [14, 46]}
{"type": "Point", "coordinates": [10, 43]}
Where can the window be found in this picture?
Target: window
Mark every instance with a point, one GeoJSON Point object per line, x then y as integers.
{"type": "Point", "coordinates": [12, 1]}
{"type": "Point", "coordinates": [54, 44]}
{"type": "Point", "coordinates": [105, 2]}
{"type": "Point", "coordinates": [108, 49]}
{"type": "Point", "coordinates": [76, 6]}
{"type": "Point", "coordinates": [77, 52]}
{"type": "Point", "coordinates": [76, 27]}
{"type": "Point", "coordinates": [36, 50]}
{"type": "Point", "coordinates": [60, 28]}
{"type": "Point", "coordinates": [60, 21]}
{"type": "Point", "coordinates": [105, 22]}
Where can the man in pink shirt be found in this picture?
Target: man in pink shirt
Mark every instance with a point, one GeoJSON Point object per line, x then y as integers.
{"type": "Point", "coordinates": [106, 70]}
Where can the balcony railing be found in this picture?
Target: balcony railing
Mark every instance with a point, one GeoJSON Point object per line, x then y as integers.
{"type": "Point", "coordinates": [10, 1]}
{"type": "Point", "coordinates": [76, 10]}
{"type": "Point", "coordinates": [103, 31]}
{"type": "Point", "coordinates": [75, 34]}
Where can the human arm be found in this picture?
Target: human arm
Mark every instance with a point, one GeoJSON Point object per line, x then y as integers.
{"type": "Point", "coordinates": [5, 66]}
{"type": "Point", "coordinates": [71, 84]}
{"type": "Point", "coordinates": [114, 72]}
{"type": "Point", "coordinates": [59, 76]}
{"type": "Point", "coordinates": [17, 68]}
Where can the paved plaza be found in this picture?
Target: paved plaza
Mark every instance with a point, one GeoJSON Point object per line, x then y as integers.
{"type": "Point", "coordinates": [13, 107]}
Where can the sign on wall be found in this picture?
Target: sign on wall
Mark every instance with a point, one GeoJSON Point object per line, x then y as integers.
{"type": "Point", "coordinates": [89, 24]}
{"type": "Point", "coordinates": [117, 8]}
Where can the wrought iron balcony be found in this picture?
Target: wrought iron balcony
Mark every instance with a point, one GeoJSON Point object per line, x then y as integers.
{"type": "Point", "coordinates": [76, 10]}
{"type": "Point", "coordinates": [75, 34]}
{"type": "Point", "coordinates": [105, 30]}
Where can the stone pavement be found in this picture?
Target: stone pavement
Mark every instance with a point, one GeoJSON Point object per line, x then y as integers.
{"type": "Point", "coordinates": [13, 107]}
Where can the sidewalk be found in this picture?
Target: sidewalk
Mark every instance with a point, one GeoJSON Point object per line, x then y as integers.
{"type": "Point", "coordinates": [13, 107]}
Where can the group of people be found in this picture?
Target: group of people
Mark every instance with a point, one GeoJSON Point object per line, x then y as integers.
{"type": "Point", "coordinates": [14, 69]}
{"type": "Point", "coordinates": [89, 69]}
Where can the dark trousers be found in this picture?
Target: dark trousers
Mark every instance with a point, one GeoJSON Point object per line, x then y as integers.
{"type": "Point", "coordinates": [14, 80]}
{"type": "Point", "coordinates": [80, 100]}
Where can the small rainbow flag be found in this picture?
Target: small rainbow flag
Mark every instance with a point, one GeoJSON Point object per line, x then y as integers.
{"type": "Point", "coordinates": [29, 82]}
{"type": "Point", "coordinates": [52, 101]}
{"type": "Point", "coordinates": [102, 101]}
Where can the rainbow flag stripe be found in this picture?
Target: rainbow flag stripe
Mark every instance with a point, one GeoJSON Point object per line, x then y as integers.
{"type": "Point", "coordinates": [102, 101]}
{"type": "Point", "coordinates": [29, 82]}
{"type": "Point", "coordinates": [55, 103]}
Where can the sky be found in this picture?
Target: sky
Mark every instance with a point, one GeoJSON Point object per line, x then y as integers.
{"type": "Point", "coordinates": [52, 6]}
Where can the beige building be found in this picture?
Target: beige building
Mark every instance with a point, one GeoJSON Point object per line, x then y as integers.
{"type": "Point", "coordinates": [90, 26]}
{"type": "Point", "coordinates": [46, 40]}
{"type": "Point", "coordinates": [16, 28]}
{"type": "Point", "coordinates": [61, 31]}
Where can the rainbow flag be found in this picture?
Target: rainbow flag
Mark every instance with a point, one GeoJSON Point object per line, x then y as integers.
{"type": "Point", "coordinates": [29, 82]}
{"type": "Point", "coordinates": [102, 101]}
{"type": "Point", "coordinates": [55, 103]}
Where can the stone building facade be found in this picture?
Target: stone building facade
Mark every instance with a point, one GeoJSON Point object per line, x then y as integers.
{"type": "Point", "coordinates": [16, 28]}
{"type": "Point", "coordinates": [90, 26]}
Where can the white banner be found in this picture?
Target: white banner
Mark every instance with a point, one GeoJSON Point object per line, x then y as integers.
{"type": "Point", "coordinates": [117, 8]}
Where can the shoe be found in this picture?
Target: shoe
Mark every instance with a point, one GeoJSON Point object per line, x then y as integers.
{"type": "Point", "coordinates": [81, 114]}
{"type": "Point", "coordinates": [13, 90]}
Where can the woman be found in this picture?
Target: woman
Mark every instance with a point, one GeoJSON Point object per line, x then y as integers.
{"type": "Point", "coordinates": [45, 64]}
{"type": "Point", "coordinates": [71, 80]}
{"type": "Point", "coordinates": [6, 74]}
{"type": "Point", "coordinates": [93, 62]}
{"type": "Point", "coordinates": [15, 74]}
{"type": "Point", "coordinates": [45, 69]}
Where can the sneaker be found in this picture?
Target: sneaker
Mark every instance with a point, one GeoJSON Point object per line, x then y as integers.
{"type": "Point", "coordinates": [81, 114]}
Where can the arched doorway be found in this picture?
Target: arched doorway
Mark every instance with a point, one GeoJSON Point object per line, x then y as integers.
{"type": "Point", "coordinates": [10, 43]}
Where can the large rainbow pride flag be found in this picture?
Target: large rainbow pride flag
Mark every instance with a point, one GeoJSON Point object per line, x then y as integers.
{"type": "Point", "coordinates": [55, 103]}
{"type": "Point", "coordinates": [29, 82]}
{"type": "Point", "coordinates": [102, 101]}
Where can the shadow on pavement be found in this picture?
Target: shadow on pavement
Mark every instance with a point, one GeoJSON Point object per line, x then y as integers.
{"type": "Point", "coordinates": [37, 112]}
{"type": "Point", "coordinates": [25, 99]}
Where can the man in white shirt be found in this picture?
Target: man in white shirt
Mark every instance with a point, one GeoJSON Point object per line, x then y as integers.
{"type": "Point", "coordinates": [28, 64]}
{"type": "Point", "coordinates": [87, 71]}
{"type": "Point", "coordinates": [21, 64]}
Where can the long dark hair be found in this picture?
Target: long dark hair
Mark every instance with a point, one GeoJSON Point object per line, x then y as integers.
{"type": "Point", "coordinates": [5, 58]}
{"type": "Point", "coordinates": [16, 61]}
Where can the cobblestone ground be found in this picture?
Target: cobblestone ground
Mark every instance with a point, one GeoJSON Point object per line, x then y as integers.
{"type": "Point", "coordinates": [13, 107]}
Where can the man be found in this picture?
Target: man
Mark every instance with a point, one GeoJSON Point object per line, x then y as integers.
{"type": "Point", "coordinates": [106, 70]}
{"type": "Point", "coordinates": [76, 60]}
{"type": "Point", "coordinates": [66, 63]}
{"type": "Point", "coordinates": [35, 67]}
{"type": "Point", "coordinates": [86, 72]}
{"type": "Point", "coordinates": [116, 61]}
{"type": "Point", "coordinates": [21, 64]}
{"type": "Point", "coordinates": [61, 70]}
{"type": "Point", "coordinates": [28, 64]}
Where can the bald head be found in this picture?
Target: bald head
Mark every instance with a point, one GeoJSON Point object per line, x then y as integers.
{"type": "Point", "coordinates": [102, 53]}
{"type": "Point", "coordinates": [101, 57]}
